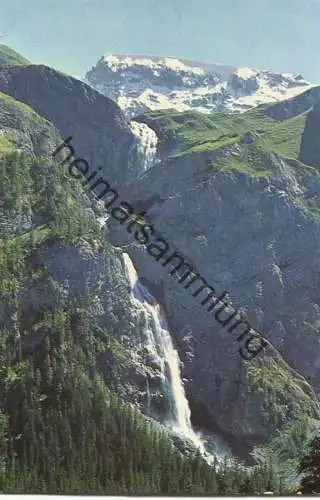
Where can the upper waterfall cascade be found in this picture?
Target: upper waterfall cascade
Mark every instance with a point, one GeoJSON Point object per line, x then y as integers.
{"type": "Point", "coordinates": [145, 147]}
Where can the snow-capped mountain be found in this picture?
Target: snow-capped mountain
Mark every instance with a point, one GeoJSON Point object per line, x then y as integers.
{"type": "Point", "coordinates": [143, 83]}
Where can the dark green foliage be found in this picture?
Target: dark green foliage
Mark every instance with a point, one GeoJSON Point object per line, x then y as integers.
{"type": "Point", "coordinates": [45, 188]}
{"type": "Point", "coordinates": [310, 467]}
{"type": "Point", "coordinates": [15, 183]}
{"type": "Point", "coordinates": [41, 188]}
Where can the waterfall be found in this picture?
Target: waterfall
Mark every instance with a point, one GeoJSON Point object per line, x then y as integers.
{"type": "Point", "coordinates": [158, 341]}
{"type": "Point", "coordinates": [145, 148]}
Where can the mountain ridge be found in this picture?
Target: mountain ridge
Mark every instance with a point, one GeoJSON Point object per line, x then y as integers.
{"type": "Point", "coordinates": [140, 83]}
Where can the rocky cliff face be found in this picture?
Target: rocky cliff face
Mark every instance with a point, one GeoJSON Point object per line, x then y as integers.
{"type": "Point", "coordinates": [244, 234]}
{"type": "Point", "coordinates": [116, 319]}
{"type": "Point", "coordinates": [100, 133]}
{"type": "Point", "coordinates": [293, 107]}
{"type": "Point", "coordinates": [310, 144]}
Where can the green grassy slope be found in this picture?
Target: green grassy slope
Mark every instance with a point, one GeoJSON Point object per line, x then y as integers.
{"type": "Point", "coordinates": [285, 137]}
{"type": "Point", "coordinates": [9, 57]}
{"type": "Point", "coordinates": [198, 132]}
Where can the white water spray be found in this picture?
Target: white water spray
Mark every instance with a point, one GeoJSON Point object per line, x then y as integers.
{"type": "Point", "coordinates": [102, 219]}
{"type": "Point", "coordinates": [145, 147]}
{"type": "Point", "coordinates": [160, 345]}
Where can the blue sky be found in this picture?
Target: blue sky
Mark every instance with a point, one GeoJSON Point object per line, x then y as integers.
{"type": "Point", "coordinates": [282, 35]}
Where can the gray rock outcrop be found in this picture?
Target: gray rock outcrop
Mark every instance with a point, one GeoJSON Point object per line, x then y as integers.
{"type": "Point", "coordinates": [100, 133]}
{"type": "Point", "coordinates": [292, 107]}
{"type": "Point", "coordinates": [310, 142]}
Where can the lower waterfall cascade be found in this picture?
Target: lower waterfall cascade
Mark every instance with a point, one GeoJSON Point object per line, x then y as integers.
{"type": "Point", "coordinates": [158, 341]}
